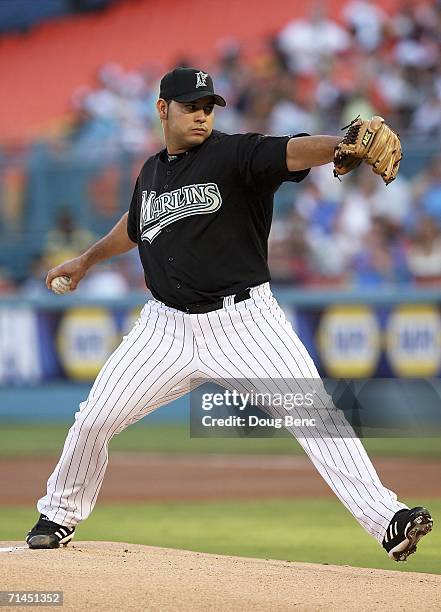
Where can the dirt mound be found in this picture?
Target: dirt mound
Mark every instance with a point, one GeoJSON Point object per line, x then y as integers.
{"type": "Point", "coordinates": [117, 576]}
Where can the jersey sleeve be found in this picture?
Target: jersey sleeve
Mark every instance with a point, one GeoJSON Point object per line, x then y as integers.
{"type": "Point", "coordinates": [262, 161]}
{"type": "Point", "coordinates": [133, 216]}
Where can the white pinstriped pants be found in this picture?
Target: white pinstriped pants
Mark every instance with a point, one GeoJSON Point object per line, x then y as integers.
{"type": "Point", "coordinates": [156, 363]}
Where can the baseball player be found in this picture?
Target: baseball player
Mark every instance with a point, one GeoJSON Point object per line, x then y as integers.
{"type": "Point", "coordinates": [200, 216]}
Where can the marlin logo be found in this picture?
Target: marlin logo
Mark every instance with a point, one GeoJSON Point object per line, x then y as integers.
{"type": "Point", "coordinates": [201, 79]}
{"type": "Point", "coordinates": [159, 211]}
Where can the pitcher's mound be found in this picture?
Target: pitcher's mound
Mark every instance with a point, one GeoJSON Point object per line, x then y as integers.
{"type": "Point", "coordinates": [116, 576]}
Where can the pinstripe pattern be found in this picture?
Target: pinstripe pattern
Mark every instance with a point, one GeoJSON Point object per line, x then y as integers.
{"type": "Point", "coordinates": [269, 348]}
{"type": "Point", "coordinates": [153, 361]}
{"type": "Point", "coordinates": [249, 346]}
{"type": "Point", "coordinates": [360, 459]}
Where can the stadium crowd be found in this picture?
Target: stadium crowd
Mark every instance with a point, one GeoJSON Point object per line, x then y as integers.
{"type": "Point", "coordinates": [314, 76]}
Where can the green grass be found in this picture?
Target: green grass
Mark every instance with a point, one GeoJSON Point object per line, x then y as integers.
{"type": "Point", "coordinates": [319, 531]}
{"type": "Point", "coordinates": [47, 439]}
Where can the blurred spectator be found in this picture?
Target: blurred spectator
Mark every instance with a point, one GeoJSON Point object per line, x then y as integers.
{"type": "Point", "coordinates": [329, 260]}
{"type": "Point", "coordinates": [65, 240]}
{"type": "Point", "coordinates": [119, 114]}
{"type": "Point", "coordinates": [354, 219]}
{"type": "Point", "coordinates": [366, 198]}
{"type": "Point", "coordinates": [307, 41]}
{"type": "Point", "coordinates": [427, 190]}
{"type": "Point", "coordinates": [317, 208]}
{"type": "Point", "coordinates": [417, 49]}
{"type": "Point", "coordinates": [427, 117]}
{"type": "Point", "coordinates": [287, 117]}
{"type": "Point", "coordinates": [424, 253]}
{"type": "Point", "coordinates": [326, 252]}
{"type": "Point", "coordinates": [288, 251]}
{"type": "Point", "coordinates": [131, 268]}
{"type": "Point", "coordinates": [399, 93]}
{"type": "Point", "coordinates": [326, 183]}
{"type": "Point", "coordinates": [104, 281]}
{"type": "Point", "coordinates": [35, 283]}
{"type": "Point", "coordinates": [393, 203]}
{"type": "Point", "coordinates": [315, 76]}
{"type": "Point", "coordinates": [382, 260]}
{"type": "Point", "coordinates": [366, 21]}
{"type": "Point", "coordinates": [92, 127]}
{"type": "Point", "coordinates": [329, 96]}
{"type": "Point", "coordinates": [7, 283]}
{"type": "Point", "coordinates": [358, 104]}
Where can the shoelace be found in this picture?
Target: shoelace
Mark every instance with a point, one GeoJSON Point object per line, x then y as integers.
{"type": "Point", "coordinates": [353, 130]}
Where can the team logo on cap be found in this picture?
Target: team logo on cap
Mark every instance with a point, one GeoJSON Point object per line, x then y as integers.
{"type": "Point", "coordinates": [201, 79]}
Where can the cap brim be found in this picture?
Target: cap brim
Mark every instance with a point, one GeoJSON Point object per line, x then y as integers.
{"type": "Point", "coordinates": [202, 94]}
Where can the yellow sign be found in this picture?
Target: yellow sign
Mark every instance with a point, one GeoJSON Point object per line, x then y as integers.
{"type": "Point", "coordinates": [349, 341]}
{"type": "Point", "coordinates": [413, 340]}
{"type": "Point", "coordinates": [86, 337]}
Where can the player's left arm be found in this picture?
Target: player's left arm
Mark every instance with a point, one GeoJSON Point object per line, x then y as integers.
{"type": "Point", "coordinates": [305, 152]}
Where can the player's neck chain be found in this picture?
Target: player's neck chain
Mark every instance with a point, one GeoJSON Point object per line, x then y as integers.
{"type": "Point", "coordinates": [176, 157]}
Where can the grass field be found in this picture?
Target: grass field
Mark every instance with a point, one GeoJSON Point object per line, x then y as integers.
{"type": "Point", "coordinates": [309, 530]}
{"type": "Point", "coordinates": [19, 440]}
{"type": "Point", "coordinates": [319, 531]}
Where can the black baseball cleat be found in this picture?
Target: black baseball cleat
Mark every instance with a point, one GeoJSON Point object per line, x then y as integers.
{"type": "Point", "coordinates": [405, 531]}
{"type": "Point", "coordinates": [46, 534]}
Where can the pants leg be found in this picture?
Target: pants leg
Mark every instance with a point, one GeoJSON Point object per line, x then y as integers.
{"type": "Point", "coordinates": [153, 365]}
{"type": "Point", "coordinates": [253, 342]}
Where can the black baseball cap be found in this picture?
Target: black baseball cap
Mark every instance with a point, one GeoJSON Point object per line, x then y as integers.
{"type": "Point", "coordinates": [187, 85]}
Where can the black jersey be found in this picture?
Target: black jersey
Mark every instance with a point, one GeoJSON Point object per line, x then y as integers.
{"type": "Point", "coordinates": [202, 219]}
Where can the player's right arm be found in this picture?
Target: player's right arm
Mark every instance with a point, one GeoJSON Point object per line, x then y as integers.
{"type": "Point", "coordinates": [116, 242]}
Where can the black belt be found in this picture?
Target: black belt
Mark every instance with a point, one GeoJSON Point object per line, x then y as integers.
{"type": "Point", "coordinates": [204, 307]}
